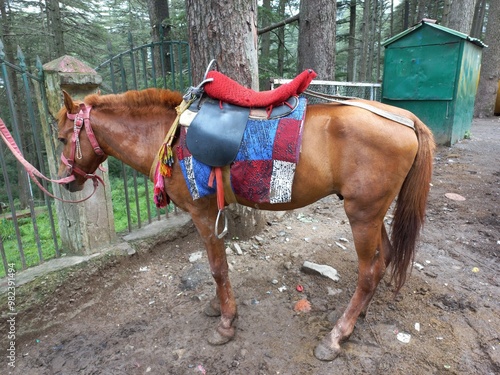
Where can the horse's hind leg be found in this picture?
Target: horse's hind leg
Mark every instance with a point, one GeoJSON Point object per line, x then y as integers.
{"type": "Point", "coordinates": [225, 303]}
{"type": "Point", "coordinates": [369, 242]}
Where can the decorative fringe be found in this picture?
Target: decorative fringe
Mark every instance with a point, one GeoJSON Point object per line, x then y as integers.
{"type": "Point", "coordinates": [160, 195]}
{"type": "Point", "coordinates": [166, 159]}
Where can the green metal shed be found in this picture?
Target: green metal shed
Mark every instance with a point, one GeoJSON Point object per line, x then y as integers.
{"type": "Point", "coordinates": [433, 71]}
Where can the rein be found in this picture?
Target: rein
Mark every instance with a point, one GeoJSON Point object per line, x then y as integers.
{"type": "Point", "coordinates": [82, 118]}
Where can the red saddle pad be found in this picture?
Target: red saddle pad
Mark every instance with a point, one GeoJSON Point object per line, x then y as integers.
{"type": "Point", "coordinates": [230, 91]}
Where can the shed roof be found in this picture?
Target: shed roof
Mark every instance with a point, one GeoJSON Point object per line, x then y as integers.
{"type": "Point", "coordinates": [439, 27]}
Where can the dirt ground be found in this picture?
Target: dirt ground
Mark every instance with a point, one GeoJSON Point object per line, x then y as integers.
{"type": "Point", "coordinates": [144, 314]}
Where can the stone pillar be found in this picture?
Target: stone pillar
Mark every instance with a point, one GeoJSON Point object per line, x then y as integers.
{"type": "Point", "coordinates": [87, 226]}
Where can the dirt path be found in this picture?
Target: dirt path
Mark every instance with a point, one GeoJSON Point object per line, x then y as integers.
{"type": "Point", "coordinates": [143, 314]}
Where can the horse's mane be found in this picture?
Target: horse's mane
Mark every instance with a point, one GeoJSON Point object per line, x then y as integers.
{"type": "Point", "coordinates": [136, 102]}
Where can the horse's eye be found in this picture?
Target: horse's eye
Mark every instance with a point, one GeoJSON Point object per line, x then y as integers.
{"type": "Point", "coordinates": [62, 140]}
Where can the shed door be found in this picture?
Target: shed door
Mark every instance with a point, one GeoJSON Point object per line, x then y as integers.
{"type": "Point", "coordinates": [421, 73]}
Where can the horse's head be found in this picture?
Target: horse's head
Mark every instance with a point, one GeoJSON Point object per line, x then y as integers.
{"type": "Point", "coordinates": [81, 154]}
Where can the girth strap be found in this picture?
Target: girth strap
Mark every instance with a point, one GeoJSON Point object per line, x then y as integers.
{"type": "Point", "coordinates": [388, 115]}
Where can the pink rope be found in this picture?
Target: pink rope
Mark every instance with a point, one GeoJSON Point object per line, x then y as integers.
{"type": "Point", "coordinates": [33, 172]}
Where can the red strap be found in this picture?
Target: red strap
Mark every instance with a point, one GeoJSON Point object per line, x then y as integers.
{"type": "Point", "coordinates": [83, 118]}
{"type": "Point", "coordinates": [216, 173]}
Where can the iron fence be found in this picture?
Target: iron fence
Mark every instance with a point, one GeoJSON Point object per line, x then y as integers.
{"type": "Point", "coordinates": [163, 64]}
{"type": "Point", "coordinates": [370, 91]}
{"type": "Point", "coordinates": [28, 233]}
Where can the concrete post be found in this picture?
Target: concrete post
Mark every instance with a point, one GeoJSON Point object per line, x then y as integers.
{"type": "Point", "coordinates": [87, 226]}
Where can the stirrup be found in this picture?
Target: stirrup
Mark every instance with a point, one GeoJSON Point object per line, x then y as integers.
{"type": "Point", "coordinates": [224, 231]}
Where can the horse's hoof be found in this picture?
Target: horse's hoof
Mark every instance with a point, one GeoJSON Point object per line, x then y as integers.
{"type": "Point", "coordinates": [326, 353]}
{"type": "Point", "coordinates": [212, 311]}
{"type": "Point", "coordinates": [221, 338]}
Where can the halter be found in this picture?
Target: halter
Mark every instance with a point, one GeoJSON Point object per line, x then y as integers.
{"type": "Point", "coordinates": [81, 119]}
{"type": "Point", "coordinates": [33, 173]}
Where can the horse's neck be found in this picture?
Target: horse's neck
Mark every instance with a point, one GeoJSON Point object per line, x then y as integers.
{"type": "Point", "coordinates": [134, 142]}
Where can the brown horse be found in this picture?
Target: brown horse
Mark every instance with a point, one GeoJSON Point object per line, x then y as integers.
{"type": "Point", "coordinates": [364, 158]}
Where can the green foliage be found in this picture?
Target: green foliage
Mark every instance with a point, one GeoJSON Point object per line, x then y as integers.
{"type": "Point", "coordinates": [135, 195]}
{"type": "Point", "coordinates": [29, 245]}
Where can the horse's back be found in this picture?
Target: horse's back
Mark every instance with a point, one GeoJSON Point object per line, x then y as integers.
{"type": "Point", "coordinates": [345, 148]}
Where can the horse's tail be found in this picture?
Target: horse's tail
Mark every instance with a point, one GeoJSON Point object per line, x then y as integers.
{"type": "Point", "coordinates": [410, 208]}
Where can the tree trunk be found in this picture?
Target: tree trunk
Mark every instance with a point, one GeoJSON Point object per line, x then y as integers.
{"type": "Point", "coordinates": [371, 40]}
{"type": "Point", "coordinates": [281, 40]}
{"type": "Point", "coordinates": [461, 15]}
{"type": "Point", "coordinates": [422, 10]}
{"type": "Point", "coordinates": [352, 42]}
{"type": "Point", "coordinates": [406, 14]}
{"type": "Point", "coordinates": [365, 31]}
{"type": "Point", "coordinates": [317, 31]}
{"type": "Point", "coordinates": [55, 28]}
{"type": "Point", "coordinates": [227, 32]}
{"type": "Point", "coordinates": [265, 38]}
{"type": "Point", "coordinates": [158, 12]}
{"type": "Point", "coordinates": [490, 67]}
{"type": "Point", "coordinates": [478, 21]}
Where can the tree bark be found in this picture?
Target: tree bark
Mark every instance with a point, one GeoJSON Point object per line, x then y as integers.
{"type": "Point", "coordinates": [352, 42]}
{"type": "Point", "coordinates": [365, 32]}
{"type": "Point", "coordinates": [158, 12]}
{"type": "Point", "coordinates": [227, 32]}
{"type": "Point", "coordinates": [461, 15]}
{"type": "Point", "coordinates": [490, 67]}
{"type": "Point", "coordinates": [55, 28]}
{"type": "Point", "coordinates": [478, 21]}
{"type": "Point", "coordinates": [281, 40]}
{"type": "Point", "coordinates": [317, 31]}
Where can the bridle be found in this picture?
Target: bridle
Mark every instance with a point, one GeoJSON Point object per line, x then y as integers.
{"type": "Point", "coordinates": [81, 119]}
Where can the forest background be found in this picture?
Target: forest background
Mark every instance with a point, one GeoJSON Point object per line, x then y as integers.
{"type": "Point", "coordinates": [92, 30]}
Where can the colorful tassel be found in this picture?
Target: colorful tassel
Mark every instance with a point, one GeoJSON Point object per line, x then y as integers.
{"type": "Point", "coordinates": [166, 159]}
{"type": "Point", "coordinates": [161, 198]}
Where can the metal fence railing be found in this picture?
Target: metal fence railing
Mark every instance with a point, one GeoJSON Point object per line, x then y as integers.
{"type": "Point", "coordinates": [162, 64]}
{"type": "Point", "coordinates": [28, 233]}
{"type": "Point", "coordinates": [370, 91]}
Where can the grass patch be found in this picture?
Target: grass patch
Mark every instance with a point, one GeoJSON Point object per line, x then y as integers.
{"type": "Point", "coordinates": [120, 205]}
{"type": "Point", "coordinates": [27, 233]}
{"type": "Point", "coordinates": [28, 240]}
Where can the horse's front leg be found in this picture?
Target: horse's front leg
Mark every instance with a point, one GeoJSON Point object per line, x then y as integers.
{"type": "Point", "coordinates": [224, 304]}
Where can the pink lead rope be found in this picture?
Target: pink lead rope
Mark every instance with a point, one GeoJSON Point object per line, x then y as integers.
{"type": "Point", "coordinates": [34, 173]}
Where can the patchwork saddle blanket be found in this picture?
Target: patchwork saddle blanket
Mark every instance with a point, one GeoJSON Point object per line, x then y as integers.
{"type": "Point", "coordinates": [264, 167]}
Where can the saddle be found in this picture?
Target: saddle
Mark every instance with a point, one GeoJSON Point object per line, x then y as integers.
{"type": "Point", "coordinates": [227, 90]}
{"type": "Point", "coordinates": [217, 122]}
{"type": "Point", "coordinates": [216, 128]}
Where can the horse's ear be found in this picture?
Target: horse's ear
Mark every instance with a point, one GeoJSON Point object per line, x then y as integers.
{"type": "Point", "coordinates": [71, 107]}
